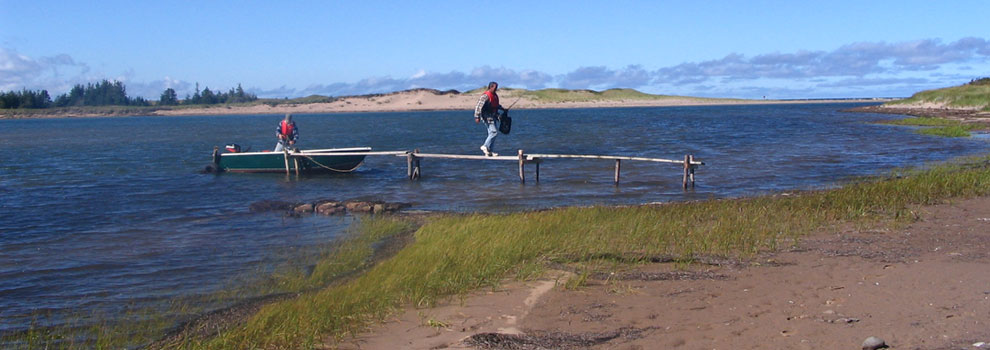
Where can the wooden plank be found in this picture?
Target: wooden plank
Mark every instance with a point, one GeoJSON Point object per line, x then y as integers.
{"type": "Point", "coordinates": [464, 156]}
{"type": "Point", "coordinates": [589, 156]}
{"type": "Point", "coordinates": [529, 157]}
{"type": "Point", "coordinates": [376, 153]}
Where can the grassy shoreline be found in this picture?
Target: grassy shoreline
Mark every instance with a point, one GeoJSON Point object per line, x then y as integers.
{"type": "Point", "coordinates": [939, 126]}
{"type": "Point", "coordinates": [455, 254]}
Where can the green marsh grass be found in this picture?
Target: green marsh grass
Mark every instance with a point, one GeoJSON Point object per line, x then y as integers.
{"type": "Point", "coordinates": [948, 131]}
{"type": "Point", "coordinates": [938, 126]}
{"type": "Point", "coordinates": [455, 254]}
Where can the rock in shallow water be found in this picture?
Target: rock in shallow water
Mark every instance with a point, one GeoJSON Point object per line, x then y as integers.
{"type": "Point", "coordinates": [304, 208]}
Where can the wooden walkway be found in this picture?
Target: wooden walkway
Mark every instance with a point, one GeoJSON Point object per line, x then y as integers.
{"type": "Point", "coordinates": [689, 164]}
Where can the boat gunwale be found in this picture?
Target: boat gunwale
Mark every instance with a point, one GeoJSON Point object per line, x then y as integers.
{"type": "Point", "coordinates": [325, 150]}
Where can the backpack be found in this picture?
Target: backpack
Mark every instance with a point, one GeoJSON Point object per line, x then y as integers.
{"type": "Point", "coordinates": [504, 123]}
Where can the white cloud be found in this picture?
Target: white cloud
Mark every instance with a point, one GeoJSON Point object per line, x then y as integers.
{"type": "Point", "coordinates": [886, 69]}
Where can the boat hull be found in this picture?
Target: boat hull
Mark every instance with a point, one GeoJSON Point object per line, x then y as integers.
{"type": "Point", "coordinates": [309, 161]}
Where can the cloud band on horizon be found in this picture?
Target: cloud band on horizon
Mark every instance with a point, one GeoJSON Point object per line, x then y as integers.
{"type": "Point", "coordinates": [876, 68]}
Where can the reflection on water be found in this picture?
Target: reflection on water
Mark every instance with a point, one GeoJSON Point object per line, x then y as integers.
{"type": "Point", "coordinates": [100, 213]}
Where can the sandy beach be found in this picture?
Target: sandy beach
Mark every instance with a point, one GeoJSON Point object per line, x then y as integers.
{"type": "Point", "coordinates": [410, 100]}
{"type": "Point", "coordinates": [922, 286]}
{"type": "Point", "coordinates": [426, 100]}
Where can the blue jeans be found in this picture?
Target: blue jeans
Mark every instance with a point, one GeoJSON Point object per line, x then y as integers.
{"type": "Point", "coordinates": [492, 132]}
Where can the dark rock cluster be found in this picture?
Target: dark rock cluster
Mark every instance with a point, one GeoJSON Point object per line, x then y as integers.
{"type": "Point", "coordinates": [327, 207]}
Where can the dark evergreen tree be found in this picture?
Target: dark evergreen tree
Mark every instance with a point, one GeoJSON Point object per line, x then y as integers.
{"type": "Point", "coordinates": [208, 97]}
{"type": "Point", "coordinates": [25, 99]}
{"type": "Point", "coordinates": [169, 98]}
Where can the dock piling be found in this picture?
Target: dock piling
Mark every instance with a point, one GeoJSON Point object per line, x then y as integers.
{"type": "Point", "coordinates": [693, 166]}
{"type": "Point", "coordinates": [522, 162]}
{"type": "Point", "coordinates": [618, 163]}
{"type": "Point", "coordinates": [412, 165]}
{"type": "Point", "coordinates": [687, 166]}
{"type": "Point", "coordinates": [537, 161]}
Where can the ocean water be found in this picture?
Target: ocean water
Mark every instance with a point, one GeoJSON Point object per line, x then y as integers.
{"type": "Point", "coordinates": [105, 215]}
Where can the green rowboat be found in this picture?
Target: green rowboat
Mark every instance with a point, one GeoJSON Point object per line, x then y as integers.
{"type": "Point", "coordinates": [340, 160]}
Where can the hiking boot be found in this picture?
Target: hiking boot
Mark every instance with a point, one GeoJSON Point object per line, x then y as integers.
{"type": "Point", "coordinates": [485, 150]}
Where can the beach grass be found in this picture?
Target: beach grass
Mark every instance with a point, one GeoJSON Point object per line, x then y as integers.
{"type": "Point", "coordinates": [938, 126]}
{"type": "Point", "coordinates": [948, 131]}
{"type": "Point", "coordinates": [975, 95]}
{"type": "Point", "coordinates": [565, 95]}
{"type": "Point", "coordinates": [455, 254]}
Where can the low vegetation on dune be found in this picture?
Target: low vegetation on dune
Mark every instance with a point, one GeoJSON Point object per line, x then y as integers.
{"type": "Point", "coordinates": [972, 95]}
{"type": "Point", "coordinates": [564, 95]}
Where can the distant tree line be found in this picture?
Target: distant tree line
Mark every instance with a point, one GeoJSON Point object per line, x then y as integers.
{"type": "Point", "coordinates": [25, 99]}
{"type": "Point", "coordinates": [208, 97]}
{"type": "Point", "coordinates": [104, 93]}
{"type": "Point", "coordinates": [107, 93]}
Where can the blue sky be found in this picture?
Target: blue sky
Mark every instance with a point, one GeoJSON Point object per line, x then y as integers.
{"type": "Point", "coordinates": [744, 49]}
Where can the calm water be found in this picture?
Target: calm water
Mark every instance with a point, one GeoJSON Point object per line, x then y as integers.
{"type": "Point", "coordinates": [103, 215]}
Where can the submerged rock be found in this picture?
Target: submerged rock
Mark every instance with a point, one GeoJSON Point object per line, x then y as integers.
{"type": "Point", "coordinates": [330, 208]}
{"type": "Point", "coordinates": [303, 209]}
{"type": "Point", "coordinates": [326, 207]}
{"type": "Point", "coordinates": [268, 205]}
{"type": "Point", "coordinates": [359, 206]}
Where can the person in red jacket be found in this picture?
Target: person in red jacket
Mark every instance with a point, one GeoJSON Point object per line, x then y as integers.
{"type": "Point", "coordinates": [487, 110]}
{"type": "Point", "coordinates": [287, 133]}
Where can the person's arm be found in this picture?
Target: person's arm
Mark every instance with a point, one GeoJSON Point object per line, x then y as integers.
{"type": "Point", "coordinates": [478, 108]}
{"type": "Point", "coordinates": [295, 132]}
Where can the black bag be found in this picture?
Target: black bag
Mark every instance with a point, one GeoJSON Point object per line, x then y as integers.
{"type": "Point", "coordinates": [504, 123]}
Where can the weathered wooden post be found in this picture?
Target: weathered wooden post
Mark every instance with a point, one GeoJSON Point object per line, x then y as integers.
{"type": "Point", "coordinates": [412, 165]}
{"type": "Point", "coordinates": [416, 167]}
{"type": "Point", "coordinates": [409, 165]}
{"type": "Point", "coordinates": [285, 152]}
{"type": "Point", "coordinates": [617, 166]}
{"type": "Point", "coordinates": [687, 168]}
{"type": "Point", "coordinates": [295, 161]}
{"type": "Point", "coordinates": [537, 160]}
{"type": "Point", "coordinates": [691, 162]}
{"type": "Point", "coordinates": [522, 162]}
